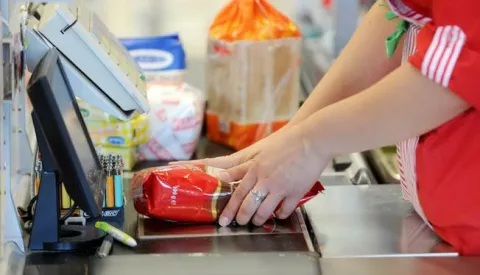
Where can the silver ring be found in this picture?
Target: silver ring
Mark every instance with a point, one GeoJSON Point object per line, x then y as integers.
{"type": "Point", "coordinates": [258, 196]}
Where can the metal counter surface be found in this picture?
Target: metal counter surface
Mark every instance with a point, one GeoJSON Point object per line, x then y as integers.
{"type": "Point", "coordinates": [401, 266]}
{"type": "Point", "coordinates": [253, 263]}
{"type": "Point", "coordinates": [291, 263]}
{"type": "Point", "coordinates": [209, 239]}
{"type": "Point", "coordinates": [370, 221]}
{"type": "Point", "coordinates": [349, 223]}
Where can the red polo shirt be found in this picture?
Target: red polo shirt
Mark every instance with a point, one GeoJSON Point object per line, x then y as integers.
{"type": "Point", "coordinates": [448, 158]}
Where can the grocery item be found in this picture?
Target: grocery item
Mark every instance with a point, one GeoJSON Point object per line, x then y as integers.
{"type": "Point", "coordinates": [106, 130]}
{"type": "Point", "coordinates": [176, 108]}
{"type": "Point", "coordinates": [115, 133]}
{"type": "Point", "coordinates": [252, 74]}
{"type": "Point", "coordinates": [112, 136]}
{"type": "Point", "coordinates": [176, 118]}
{"type": "Point", "coordinates": [186, 193]}
{"type": "Point", "coordinates": [161, 58]}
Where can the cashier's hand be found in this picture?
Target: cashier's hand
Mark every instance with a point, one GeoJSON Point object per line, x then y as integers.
{"type": "Point", "coordinates": [236, 164]}
{"type": "Point", "coordinates": [283, 169]}
{"type": "Point", "coordinates": [281, 165]}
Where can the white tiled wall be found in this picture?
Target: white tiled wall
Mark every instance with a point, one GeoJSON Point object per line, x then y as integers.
{"type": "Point", "coordinates": [191, 18]}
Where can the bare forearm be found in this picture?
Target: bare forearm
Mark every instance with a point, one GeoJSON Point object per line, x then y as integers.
{"type": "Point", "coordinates": [362, 63]}
{"type": "Point", "coordinates": [402, 105]}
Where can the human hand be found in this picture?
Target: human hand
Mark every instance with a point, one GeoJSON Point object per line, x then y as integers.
{"type": "Point", "coordinates": [236, 164]}
{"type": "Point", "coordinates": [280, 171]}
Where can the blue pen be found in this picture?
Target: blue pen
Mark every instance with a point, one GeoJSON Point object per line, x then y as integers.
{"type": "Point", "coordinates": [118, 182]}
{"type": "Point", "coordinates": [118, 190]}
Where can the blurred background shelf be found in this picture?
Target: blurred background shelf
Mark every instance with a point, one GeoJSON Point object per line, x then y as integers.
{"type": "Point", "coordinates": [151, 17]}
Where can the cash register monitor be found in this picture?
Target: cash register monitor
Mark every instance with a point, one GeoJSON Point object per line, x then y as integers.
{"type": "Point", "coordinates": [67, 152]}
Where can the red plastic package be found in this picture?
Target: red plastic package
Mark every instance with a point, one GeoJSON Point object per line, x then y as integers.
{"type": "Point", "coordinates": [186, 193]}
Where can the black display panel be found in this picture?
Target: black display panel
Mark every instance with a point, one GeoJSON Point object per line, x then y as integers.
{"type": "Point", "coordinates": [58, 116]}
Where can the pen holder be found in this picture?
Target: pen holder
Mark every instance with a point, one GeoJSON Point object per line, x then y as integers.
{"type": "Point", "coordinates": [114, 199]}
{"type": "Point", "coordinates": [113, 215]}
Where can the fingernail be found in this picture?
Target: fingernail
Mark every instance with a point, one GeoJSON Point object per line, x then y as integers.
{"type": "Point", "coordinates": [224, 176]}
{"type": "Point", "coordinates": [223, 221]}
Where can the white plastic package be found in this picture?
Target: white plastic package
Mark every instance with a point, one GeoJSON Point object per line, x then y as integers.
{"type": "Point", "coordinates": [176, 118]}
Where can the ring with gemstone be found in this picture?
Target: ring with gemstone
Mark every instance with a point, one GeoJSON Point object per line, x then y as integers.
{"type": "Point", "coordinates": [258, 196]}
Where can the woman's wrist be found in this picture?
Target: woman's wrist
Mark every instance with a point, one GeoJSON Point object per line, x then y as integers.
{"type": "Point", "coordinates": [315, 141]}
{"type": "Point", "coordinates": [291, 124]}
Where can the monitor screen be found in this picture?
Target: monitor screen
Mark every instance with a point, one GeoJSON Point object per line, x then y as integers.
{"type": "Point", "coordinates": [57, 112]}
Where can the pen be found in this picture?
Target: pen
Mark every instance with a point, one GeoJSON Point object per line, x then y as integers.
{"type": "Point", "coordinates": [37, 183]}
{"type": "Point", "coordinates": [110, 184]}
{"type": "Point", "coordinates": [38, 171]}
{"type": "Point", "coordinates": [103, 161]}
{"type": "Point", "coordinates": [118, 182]}
{"type": "Point", "coordinates": [118, 234]}
{"type": "Point", "coordinates": [65, 198]}
{"type": "Point", "coordinates": [106, 246]}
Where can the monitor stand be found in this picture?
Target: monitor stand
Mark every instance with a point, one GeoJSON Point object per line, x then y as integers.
{"type": "Point", "coordinates": [47, 232]}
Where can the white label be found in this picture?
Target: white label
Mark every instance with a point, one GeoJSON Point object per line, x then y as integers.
{"type": "Point", "coordinates": [149, 59]}
{"type": "Point", "coordinates": [110, 213]}
{"type": "Point", "coordinates": [173, 198]}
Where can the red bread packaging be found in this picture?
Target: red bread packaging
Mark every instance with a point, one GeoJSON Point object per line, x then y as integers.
{"type": "Point", "coordinates": [186, 193]}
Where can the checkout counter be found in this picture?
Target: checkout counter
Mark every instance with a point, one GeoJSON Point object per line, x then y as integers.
{"type": "Point", "coordinates": [365, 229]}
{"type": "Point", "coordinates": [350, 229]}
{"type": "Point", "coordinates": [356, 227]}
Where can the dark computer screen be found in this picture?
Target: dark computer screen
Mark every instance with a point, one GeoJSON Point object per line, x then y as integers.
{"type": "Point", "coordinates": [57, 112]}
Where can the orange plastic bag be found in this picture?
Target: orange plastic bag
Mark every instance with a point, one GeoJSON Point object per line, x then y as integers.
{"type": "Point", "coordinates": [251, 20]}
{"type": "Point", "coordinates": [253, 73]}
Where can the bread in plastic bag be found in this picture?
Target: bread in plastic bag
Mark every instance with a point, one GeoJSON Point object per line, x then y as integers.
{"type": "Point", "coordinates": [187, 193]}
{"type": "Point", "coordinates": [253, 73]}
{"type": "Point", "coordinates": [176, 119]}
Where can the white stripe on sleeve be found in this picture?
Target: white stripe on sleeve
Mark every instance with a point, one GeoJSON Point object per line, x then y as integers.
{"type": "Point", "coordinates": [431, 51]}
{"type": "Point", "coordinates": [458, 46]}
{"type": "Point", "coordinates": [439, 52]}
{"type": "Point", "coordinates": [443, 53]}
{"type": "Point", "coordinates": [445, 58]}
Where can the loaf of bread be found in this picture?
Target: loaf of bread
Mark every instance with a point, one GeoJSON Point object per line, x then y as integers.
{"type": "Point", "coordinates": [253, 72]}
{"type": "Point", "coordinates": [252, 89]}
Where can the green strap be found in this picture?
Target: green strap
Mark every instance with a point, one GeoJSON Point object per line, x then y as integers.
{"type": "Point", "coordinates": [391, 43]}
{"type": "Point", "coordinates": [390, 15]}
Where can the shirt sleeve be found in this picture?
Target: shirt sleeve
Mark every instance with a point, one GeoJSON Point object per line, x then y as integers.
{"type": "Point", "coordinates": [448, 48]}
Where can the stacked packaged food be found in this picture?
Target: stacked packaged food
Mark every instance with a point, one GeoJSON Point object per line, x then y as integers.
{"type": "Point", "coordinates": [176, 108]}
{"type": "Point", "coordinates": [252, 74]}
{"type": "Point", "coordinates": [112, 136]}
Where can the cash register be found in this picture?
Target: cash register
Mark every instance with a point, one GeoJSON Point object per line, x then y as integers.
{"type": "Point", "coordinates": [72, 54]}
